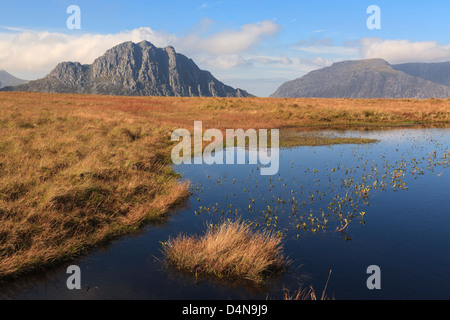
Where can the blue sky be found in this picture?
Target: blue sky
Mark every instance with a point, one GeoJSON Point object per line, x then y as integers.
{"type": "Point", "coordinates": [252, 44]}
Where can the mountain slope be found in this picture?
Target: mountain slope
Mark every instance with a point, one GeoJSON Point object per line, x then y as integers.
{"type": "Point", "coordinates": [438, 72]}
{"type": "Point", "coordinates": [372, 78]}
{"type": "Point", "coordinates": [7, 79]}
{"type": "Point", "coordinates": [134, 70]}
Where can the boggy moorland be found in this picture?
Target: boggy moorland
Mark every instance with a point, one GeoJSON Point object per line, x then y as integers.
{"type": "Point", "coordinates": [78, 171]}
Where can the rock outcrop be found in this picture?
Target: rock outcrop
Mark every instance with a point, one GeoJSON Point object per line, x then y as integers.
{"type": "Point", "coordinates": [132, 69]}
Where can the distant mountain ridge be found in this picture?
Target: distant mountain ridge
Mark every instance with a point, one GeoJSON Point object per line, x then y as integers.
{"type": "Point", "coordinates": [7, 79]}
{"type": "Point", "coordinates": [438, 72]}
{"type": "Point", "coordinates": [371, 78]}
{"type": "Point", "coordinates": [132, 69]}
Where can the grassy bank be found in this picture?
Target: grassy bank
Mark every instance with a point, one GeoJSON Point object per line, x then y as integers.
{"type": "Point", "coordinates": [293, 138]}
{"type": "Point", "coordinates": [71, 179]}
{"type": "Point", "coordinates": [80, 170]}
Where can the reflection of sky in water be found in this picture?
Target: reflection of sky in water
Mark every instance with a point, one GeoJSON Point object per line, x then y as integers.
{"type": "Point", "coordinates": [405, 232]}
{"type": "Point", "coordinates": [267, 158]}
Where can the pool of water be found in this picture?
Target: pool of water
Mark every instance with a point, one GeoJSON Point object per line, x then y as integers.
{"type": "Point", "coordinates": [341, 208]}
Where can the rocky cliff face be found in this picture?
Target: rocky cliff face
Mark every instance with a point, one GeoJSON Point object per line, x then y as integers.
{"type": "Point", "coordinates": [373, 78]}
{"type": "Point", "coordinates": [134, 70]}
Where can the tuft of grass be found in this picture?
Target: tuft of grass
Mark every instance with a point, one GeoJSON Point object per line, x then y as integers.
{"type": "Point", "coordinates": [230, 251]}
{"type": "Point", "coordinates": [306, 293]}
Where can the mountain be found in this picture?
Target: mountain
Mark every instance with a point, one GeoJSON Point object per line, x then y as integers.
{"type": "Point", "coordinates": [435, 72]}
{"type": "Point", "coordinates": [7, 79]}
{"type": "Point", "coordinates": [366, 79]}
{"type": "Point", "coordinates": [132, 69]}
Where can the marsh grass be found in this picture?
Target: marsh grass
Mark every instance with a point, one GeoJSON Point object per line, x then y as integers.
{"type": "Point", "coordinates": [307, 293]}
{"type": "Point", "coordinates": [230, 251]}
{"type": "Point", "coordinates": [294, 138]}
{"type": "Point", "coordinates": [80, 170]}
{"type": "Point", "coordinates": [70, 181]}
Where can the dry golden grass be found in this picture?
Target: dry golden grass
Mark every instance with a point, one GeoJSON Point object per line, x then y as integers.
{"type": "Point", "coordinates": [230, 251]}
{"type": "Point", "coordinates": [70, 180]}
{"type": "Point", "coordinates": [300, 294]}
{"type": "Point", "coordinates": [222, 113]}
{"type": "Point", "coordinates": [306, 293]}
{"type": "Point", "coordinates": [78, 170]}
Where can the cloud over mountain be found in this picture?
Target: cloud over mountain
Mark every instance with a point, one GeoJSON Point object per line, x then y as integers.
{"type": "Point", "coordinates": [37, 52]}
{"type": "Point", "coordinates": [133, 69]}
{"type": "Point", "coordinates": [402, 51]}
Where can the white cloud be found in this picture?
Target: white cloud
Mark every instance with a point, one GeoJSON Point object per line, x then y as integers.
{"type": "Point", "coordinates": [400, 51]}
{"type": "Point", "coordinates": [285, 60]}
{"type": "Point", "coordinates": [223, 62]}
{"type": "Point", "coordinates": [334, 50]}
{"type": "Point", "coordinates": [319, 48]}
{"type": "Point", "coordinates": [31, 54]}
{"type": "Point", "coordinates": [394, 51]}
{"type": "Point", "coordinates": [268, 60]}
{"type": "Point", "coordinates": [315, 63]}
{"type": "Point", "coordinates": [230, 41]}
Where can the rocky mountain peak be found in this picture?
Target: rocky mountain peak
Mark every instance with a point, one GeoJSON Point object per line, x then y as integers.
{"type": "Point", "coordinates": [134, 69]}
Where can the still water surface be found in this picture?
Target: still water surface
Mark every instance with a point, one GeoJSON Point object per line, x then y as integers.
{"type": "Point", "coordinates": [391, 198]}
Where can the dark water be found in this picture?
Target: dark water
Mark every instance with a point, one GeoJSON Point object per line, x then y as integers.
{"type": "Point", "coordinates": [401, 223]}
